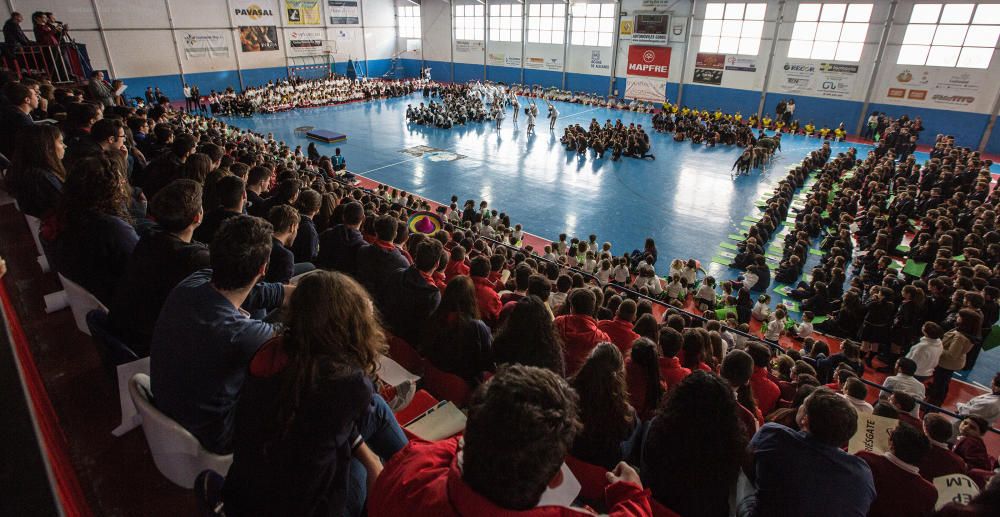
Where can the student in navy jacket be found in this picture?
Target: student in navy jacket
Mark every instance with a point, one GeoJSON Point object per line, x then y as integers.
{"type": "Point", "coordinates": [410, 295]}
{"type": "Point", "coordinates": [305, 247]}
{"type": "Point", "coordinates": [380, 259]}
{"type": "Point", "coordinates": [338, 246]}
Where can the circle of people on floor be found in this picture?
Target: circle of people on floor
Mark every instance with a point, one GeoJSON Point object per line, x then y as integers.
{"type": "Point", "coordinates": [563, 369]}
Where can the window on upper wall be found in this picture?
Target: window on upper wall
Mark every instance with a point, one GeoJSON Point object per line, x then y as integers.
{"type": "Point", "coordinates": [470, 22]}
{"type": "Point", "coordinates": [593, 24]}
{"type": "Point", "coordinates": [408, 19]}
{"type": "Point", "coordinates": [954, 35]}
{"type": "Point", "coordinates": [830, 31]}
{"type": "Point", "coordinates": [547, 23]}
{"type": "Point", "coordinates": [505, 22]}
{"type": "Point", "coordinates": [732, 28]}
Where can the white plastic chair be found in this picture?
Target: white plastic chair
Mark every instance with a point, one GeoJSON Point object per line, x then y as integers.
{"type": "Point", "coordinates": [176, 452]}
{"type": "Point", "coordinates": [80, 302]}
{"type": "Point", "coordinates": [130, 415]}
{"type": "Point", "coordinates": [34, 227]}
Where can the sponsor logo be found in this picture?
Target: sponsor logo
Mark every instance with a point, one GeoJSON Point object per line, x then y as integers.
{"type": "Point", "coordinates": [254, 12]}
{"type": "Point", "coordinates": [640, 67]}
{"type": "Point", "coordinates": [917, 95]}
{"type": "Point", "coordinates": [904, 77]}
{"type": "Point", "coordinates": [896, 93]}
{"type": "Point", "coordinates": [648, 56]}
{"type": "Point", "coordinates": [953, 99]}
{"type": "Point", "coordinates": [834, 67]}
{"type": "Point", "coordinates": [791, 67]}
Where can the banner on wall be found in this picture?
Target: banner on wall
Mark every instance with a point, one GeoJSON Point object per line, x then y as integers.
{"type": "Point", "coordinates": [626, 27]}
{"type": "Point", "coordinates": [303, 12]}
{"type": "Point", "coordinates": [343, 12]}
{"type": "Point", "coordinates": [818, 79]}
{"type": "Point", "coordinates": [544, 63]}
{"type": "Point", "coordinates": [258, 38]}
{"type": "Point", "coordinates": [741, 64]}
{"type": "Point", "coordinates": [205, 44]}
{"type": "Point", "coordinates": [598, 63]}
{"type": "Point", "coordinates": [651, 28]}
{"type": "Point", "coordinates": [253, 12]}
{"type": "Point", "coordinates": [708, 68]}
{"type": "Point", "coordinates": [937, 88]}
{"type": "Point", "coordinates": [647, 73]}
{"type": "Point", "coordinates": [463, 45]}
{"type": "Point", "coordinates": [305, 42]}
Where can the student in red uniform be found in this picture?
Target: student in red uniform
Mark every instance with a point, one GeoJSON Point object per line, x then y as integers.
{"type": "Point", "coordinates": [899, 489]}
{"type": "Point", "coordinates": [970, 445]}
{"type": "Point", "coordinates": [642, 375]}
{"type": "Point", "coordinates": [737, 369]}
{"type": "Point", "coordinates": [578, 329]}
{"type": "Point", "coordinates": [939, 460]}
{"type": "Point", "coordinates": [456, 264]}
{"type": "Point", "coordinates": [610, 423]}
{"type": "Point", "coordinates": [486, 295]}
{"type": "Point", "coordinates": [520, 428]}
{"type": "Point", "coordinates": [671, 371]}
{"type": "Point", "coordinates": [764, 390]}
{"type": "Point", "coordinates": [620, 328]}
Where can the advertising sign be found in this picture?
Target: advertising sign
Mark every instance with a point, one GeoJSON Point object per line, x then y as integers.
{"type": "Point", "coordinates": [259, 39]}
{"type": "Point", "coordinates": [303, 12]}
{"type": "Point", "coordinates": [343, 12]}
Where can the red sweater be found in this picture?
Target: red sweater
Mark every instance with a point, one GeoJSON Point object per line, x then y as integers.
{"type": "Point", "coordinates": [455, 268]}
{"type": "Point", "coordinates": [580, 335]}
{"type": "Point", "coordinates": [941, 462]}
{"type": "Point", "coordinates": [621, 333]}
{"type": "Point", "coordinates": [423, 479]}
{"type": "Point", "coordinates": [488, 300]}
{"type": "Point", "coordinates": [671, 371]}
{"type": "Point", "coordinates": [898, 492]}
{"type": "Point", "coordinates": [638, 384]}
{"type": "Point", "coordinates": [973, 451]}
{"type": "Point", "coordinates": [764, 390]}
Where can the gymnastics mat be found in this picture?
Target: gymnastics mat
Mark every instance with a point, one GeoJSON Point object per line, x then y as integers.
{"type": "Point", "coordinates": [327, 136]}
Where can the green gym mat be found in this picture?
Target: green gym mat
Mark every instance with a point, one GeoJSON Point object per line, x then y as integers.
{"type": "Point", "coordinates": [914, 268]}
{"type": "Point", "coordinates": [728, 246]}
{"type": "Point", "coordinates": [820, 319]}
{"type": "Point", "coordinates": [992, 340]}
{"type": "Point", "coordinates": [792, 305]}
{"type": "Point", "coordinates": [736, 237]}
{"type": "Point", "coordinates": [814, 251]}
{"type": "Point", "coordinates": [902, 248]}
{"type": "Point", "coordinates": [721, 261]}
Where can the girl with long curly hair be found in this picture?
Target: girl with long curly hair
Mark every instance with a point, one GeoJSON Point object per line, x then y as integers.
{"type": "Point", "coordinates": [311, 431]}
{"type": "Point", "coordinates": [609, 422]}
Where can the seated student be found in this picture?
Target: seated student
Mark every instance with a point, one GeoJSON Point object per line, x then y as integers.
{"type": "Point", "coordinates": [527, 336]}
{"type": "Point", "coordinates": [258, 180]}
{"type": "Point", "coordinates": [578, 329]}
{"type": "Point", "coordinates": [507, 465]}
{"type": "Point", "coordinates": [456, 264]}
{"type": "Point", "coordinates": [90, 238]}
{"type": "Point", "coordinates": [232, 194]}
{"type": "Point", "coordinates": [737, 369]}
{"type": "Point", "coordinates": [620, 328]}
{"type": "Point", "coordinates": [311, 431]}
{"type": "Point", "coordinates": [486, 295]}
{"type": "Point", "coordinates": [454, 339]}
{"type": "Point", "coordinates": [281, 266]}
{"type": "Point", "coordinates": [693, 450]}
{"type": "Point", "coordinates": [762, 309]}
{"type": "Point", "coordinates": [670, 343]}
{"type": "Point", "coordinates": [339, 245]}
{"type": "Point", "coordinates": [855, 392]}
{"type": "Point", "coordinates": [410, 295]}
{"type": "Point", "coordinates": [806, 472]}
{"type": "Point", "coordinates": [305, 245]}
{"type": "Point", "coordinates": [985, 406]}
{"type": "Point", "coordinates": [161, 259]}
{"type": "Point", "coordinates": [610, 423]}
{"type": "Point", "coordinates": [899, 488]}
{"type": "Point", "coordinates": [970, 445]}
{"type": "Point", "coordinates": [804, 329]}
{"type": "Point", "coordinates": [940, 460]}
{"type": "Point", "coordinates": [204, 338]}
{"type": "Point", "coordinates": [765, 391]}
{"type": "Point", "coordinates": [376, 261]}
{"type": "Point", "coordinates": [36, 175]}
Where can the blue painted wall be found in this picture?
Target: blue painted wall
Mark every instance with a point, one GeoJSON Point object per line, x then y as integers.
{"type": "Point", "coordinates": [503, 74]}
{"type": "Point", "coordinates": [729, 100]}
{"type": "Point", "coordinates": [993, 144]}
{"type": "Point", "coordinates": [820, 110]}
{"type": "Point", "coordinates": [545, 78]}
{"type": "Point", "coordinates": [465, 72]}
{"type": "Point", "coordinates": [440, 70]}
{"type": "Point", "coordinates": [589, 83]}
{"type": "Point", "coordinates": [411, 67]}
{"type": "Point", "coordinates": [967, 128]}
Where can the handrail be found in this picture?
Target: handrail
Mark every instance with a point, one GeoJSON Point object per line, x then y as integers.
{"type": "Point", "coordinates": [773, 344]}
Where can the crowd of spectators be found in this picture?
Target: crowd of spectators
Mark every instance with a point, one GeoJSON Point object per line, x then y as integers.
{"type": "Point", "coordinates": [191, 232]}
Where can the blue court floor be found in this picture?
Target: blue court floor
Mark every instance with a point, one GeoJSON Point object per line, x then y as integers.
{"type": "Point", "coordinates": [685, 200]}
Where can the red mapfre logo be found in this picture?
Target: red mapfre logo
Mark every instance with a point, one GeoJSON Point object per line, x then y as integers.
{"type": "Point", "coordinates": [649, 61]}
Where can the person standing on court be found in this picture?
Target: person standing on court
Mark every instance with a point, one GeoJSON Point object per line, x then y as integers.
{"type": "Point", "coordinates": [553, 115]}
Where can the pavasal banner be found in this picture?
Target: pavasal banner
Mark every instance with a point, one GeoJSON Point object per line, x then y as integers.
{"type": "Point", "coordinates": [646, 76]}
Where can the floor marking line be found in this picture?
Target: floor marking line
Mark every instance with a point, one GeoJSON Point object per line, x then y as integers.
{"type": "Point", "coordinates": [390, 165]}
{"type": "Point", "coordinates": [577, 113]}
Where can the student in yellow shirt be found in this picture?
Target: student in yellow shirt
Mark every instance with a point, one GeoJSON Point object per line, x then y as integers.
{"type": "Point", "coordinates": [793, 128]}
{"type": "Point", "coordinates": [779, 126]}
{"type": "Point", "coordinates": [753, 121]}
{"type": "Point", "coordinates": [766, 123]}
{"type": "Point", "coordinates": [738, 117]}
{"type": "Point", "coordinates": [718, 113]}
{"type": "Point", "coordinates": [810, 128]}
{"type": "Point", "coordinates": [685, 111]}
{"type": "Point", "coordinates": [824, 132]}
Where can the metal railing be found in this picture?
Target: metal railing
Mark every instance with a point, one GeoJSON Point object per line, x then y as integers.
{"type": "Point", "coordinates": [63, 63]}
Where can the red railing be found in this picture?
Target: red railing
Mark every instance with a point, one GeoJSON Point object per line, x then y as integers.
{"type": "Point", "coordinates": [63, 63]}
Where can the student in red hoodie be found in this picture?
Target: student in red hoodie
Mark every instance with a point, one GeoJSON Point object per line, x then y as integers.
{"type": "Point", "coordinates": [970, 445]}
{"type": "Point", "coordinates": [764, 390]}
{"type": "Point", "coordinates": [521, 426]}
{"type": "Point", "coordinates": [899, 489]}
{"type": "Point", "coordinates": [486, 295]}
{"type": "Point", "coordinates": [620, 328]}
{"type": "Point", "coordinates": [939, 460]}
{"type": "Point", "coordinates": [671, 371]}
{"type": "Point", "coordinates": [456, 265]}
{"type": "Point", "coordinates": [578, 329]}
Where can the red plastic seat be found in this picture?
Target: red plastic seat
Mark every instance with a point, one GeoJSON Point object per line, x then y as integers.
{"type": "Point", "coordinates": [446, 386]}
{"type": "Point", "coordinates": [422, 401]}
{"type": "Point", "coordinates": [404, 354]}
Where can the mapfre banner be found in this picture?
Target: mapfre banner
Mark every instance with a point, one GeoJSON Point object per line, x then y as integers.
{"type": "Point", "coordinates": [649, 61]}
